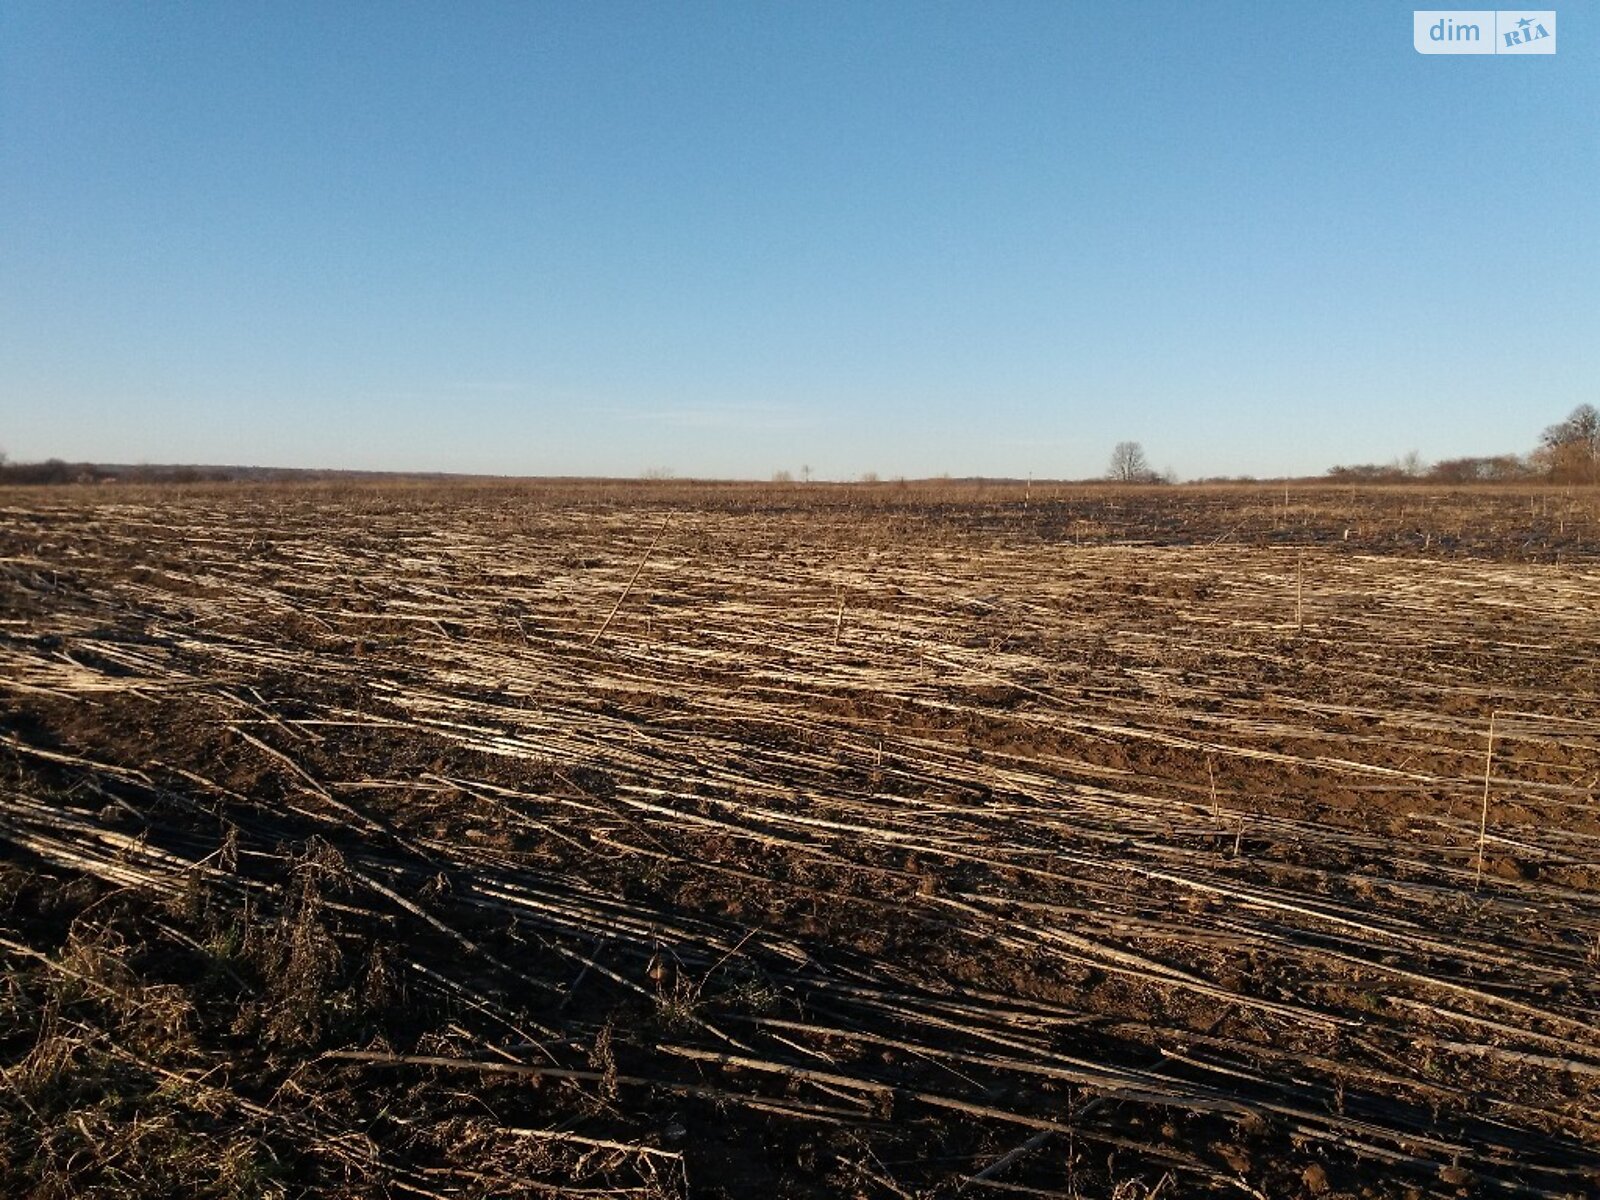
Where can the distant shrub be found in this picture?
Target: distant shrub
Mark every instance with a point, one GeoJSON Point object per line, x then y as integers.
{"type": "Point", "coordinates": [1367, 473]}
{"type": "Point", "coordinates": [1498, 468]}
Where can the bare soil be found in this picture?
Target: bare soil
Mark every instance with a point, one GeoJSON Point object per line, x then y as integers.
{"type": "Point", "coordinates": [805, 841]}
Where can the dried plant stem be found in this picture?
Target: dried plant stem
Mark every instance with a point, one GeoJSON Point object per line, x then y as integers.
{"type": "Point", "coordinates": [633, 579]}
{"type": "Point", "coordinates": [1011, 1156]}
{"type": "Point", "coordinates": [1483, 818]}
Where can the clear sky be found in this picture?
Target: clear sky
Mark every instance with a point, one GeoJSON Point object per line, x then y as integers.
{"type": "Point", "coordinates": [728, 239]}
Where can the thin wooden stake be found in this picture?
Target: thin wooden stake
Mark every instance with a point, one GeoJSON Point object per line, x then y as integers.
{"type": "Point", "coordinates": [598, 633]}
{"type": "Point", "coordinates": [1299, 590]}
{"type": "Point", "coordinates": [1483, 819]}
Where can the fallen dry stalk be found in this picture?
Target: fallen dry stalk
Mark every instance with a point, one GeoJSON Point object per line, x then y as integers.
{"type": "Point", "coordinates": [632, 579]}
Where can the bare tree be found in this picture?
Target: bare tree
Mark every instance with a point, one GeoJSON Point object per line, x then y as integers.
{"type": "Point", "coordinates": [1581, 425]}
{"type": "Point", "coordinates": [1571, 449]}
{"type": "Point", "coordinates": [1129, 465]}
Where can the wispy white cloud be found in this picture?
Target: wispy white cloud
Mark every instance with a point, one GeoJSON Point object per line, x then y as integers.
{"type": "Point", "coordinates": [737, 417]}
{"type": "Point", "coordinates": [447, 389]}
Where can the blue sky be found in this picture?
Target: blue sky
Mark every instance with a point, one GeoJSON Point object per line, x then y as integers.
{"type": "Point", "coordinates": [729, 239]}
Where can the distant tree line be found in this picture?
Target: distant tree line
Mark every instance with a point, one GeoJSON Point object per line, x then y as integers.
{"type": "Point", "coordinates": [1568, 452]}
{"type": "Point", "coordinates": [51, 471]}
{"type": "Point", "coordinates": [55, 470]}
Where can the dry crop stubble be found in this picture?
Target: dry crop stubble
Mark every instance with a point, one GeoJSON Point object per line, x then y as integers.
{"type": "Point", "coordinates": [882, 834]}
